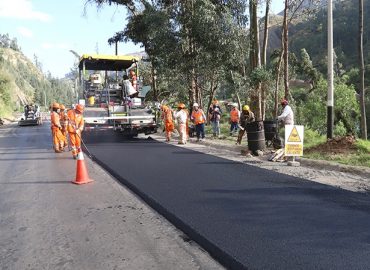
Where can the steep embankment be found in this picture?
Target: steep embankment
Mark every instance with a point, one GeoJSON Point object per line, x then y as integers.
{"type": "Point", "coordinates": [19, 80]}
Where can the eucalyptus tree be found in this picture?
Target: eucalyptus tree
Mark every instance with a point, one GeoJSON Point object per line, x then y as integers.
{"type": "Point", "coordinates": [362, 70]}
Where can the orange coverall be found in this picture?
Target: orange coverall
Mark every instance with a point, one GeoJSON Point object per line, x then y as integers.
{"type": "Point", "coordinates": [75, 127]}
{"type": "Point", "coordinates": [63, 123]}
{"type": "Point", "coordinates": [56, 131]}
{"type": "Point", "coordinates": [168, 121]}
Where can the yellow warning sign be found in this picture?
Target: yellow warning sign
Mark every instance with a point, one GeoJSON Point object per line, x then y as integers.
{"type": "Point", "coordinates": [294, 136]}
{"type": "Point", "coordinates": [294, 150]}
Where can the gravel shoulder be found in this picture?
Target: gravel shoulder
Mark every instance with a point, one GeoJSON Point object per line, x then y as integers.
{"type": "Point", "coordinates": [346, 177]}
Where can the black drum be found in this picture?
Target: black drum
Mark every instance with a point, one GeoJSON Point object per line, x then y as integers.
{"type": "Point", "coordinates": [270, 129]}
{"type": "Point", "coordinates": [256, 136]}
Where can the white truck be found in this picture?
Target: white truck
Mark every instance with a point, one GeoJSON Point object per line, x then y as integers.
{"type": "Point", "coordinates": [114, 100]}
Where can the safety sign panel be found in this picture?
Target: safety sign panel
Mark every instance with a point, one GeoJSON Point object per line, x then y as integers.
{"type": "Point", "coordinates": [294, 140]}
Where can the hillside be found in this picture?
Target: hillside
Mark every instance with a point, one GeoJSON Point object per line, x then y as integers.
{"type": "Point", "coordinates": [21, 82]}
{"type": "Point", "coordinates": [311, 34]}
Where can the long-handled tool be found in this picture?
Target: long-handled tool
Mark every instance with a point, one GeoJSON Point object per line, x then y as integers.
{"type": "Point", "coordinates": [277, 141]}
{"type": "Point", "coordinates": [87, 150]}
{"type": "Point", "coordinates": [82, 141]}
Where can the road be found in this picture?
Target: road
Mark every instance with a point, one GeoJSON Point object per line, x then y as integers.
{"type": "Point", "coordinates": [246, 217]}
{"type": "Point", "coordinates": [48, 223]}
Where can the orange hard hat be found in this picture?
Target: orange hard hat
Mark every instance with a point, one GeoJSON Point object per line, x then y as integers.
{"type": "Point", "coordinates": [80, 108]}
{"type": "Point", "coordinates": [181, 106]}
{"type": "Point", "coordinates": [215, 102]}
{"type": "Point", "coordinates": [62, 107]}
{"type": "Point", "coordinates": [55, 105]}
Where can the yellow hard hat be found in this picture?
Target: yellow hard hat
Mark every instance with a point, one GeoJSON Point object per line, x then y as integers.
{"type": "Point", "coordinates": [245, 108]}
{"type": "Point", "coordinates": [56, 105]}
{"type": "Point", "coordinates": [181, 106]}
{"type": "Point", "coordinates": [62, 107]}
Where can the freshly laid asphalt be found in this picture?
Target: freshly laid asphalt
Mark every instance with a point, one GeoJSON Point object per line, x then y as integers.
{"type": "Point", "coordinates": [246, 217]}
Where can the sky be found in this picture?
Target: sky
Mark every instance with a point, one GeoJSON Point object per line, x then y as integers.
{"type": "Point", "coordinates": [50, 28]}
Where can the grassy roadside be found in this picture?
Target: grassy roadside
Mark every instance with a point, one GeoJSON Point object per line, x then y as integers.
{"type": "Point", "coordinates": [357, 155]}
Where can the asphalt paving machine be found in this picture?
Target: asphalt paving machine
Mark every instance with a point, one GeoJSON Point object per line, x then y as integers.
{"type": "Point", "coordinates": [113, 96]}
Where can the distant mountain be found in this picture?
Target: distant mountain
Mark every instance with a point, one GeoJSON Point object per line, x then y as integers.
{"type": "Point", "coordinates": [311, 33]}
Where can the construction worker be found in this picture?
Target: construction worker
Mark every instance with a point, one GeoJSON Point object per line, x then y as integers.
{"type": "Point", "coordinates": [133, 78]}
{"type": "Point", "coordinates": [198, 117]}
{"type": "Point", "coordinates": [213, 106]}
{"type": "Point", "coordinates": [167, 117]}
{"type": "Point", "coordinates": [234, 118]}
{"type": "Point", "coordinates": [75, 126]}
{"type": "Point", "coordinates": [215, 117]}
{"type": "Point", "coordinates": [56, 128]}
{"type": "Point", "coordinates": [246, 117]}
{"type": "Point", "coordinates": [287, 116]}
{"type": "Point", "coordinates": [63, 123]}
{"type": "Point", "coordinates": [181, 117]}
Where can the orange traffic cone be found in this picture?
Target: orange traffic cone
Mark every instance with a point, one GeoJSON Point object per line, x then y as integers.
{"type": "Point", "coordinates": [82, 176]}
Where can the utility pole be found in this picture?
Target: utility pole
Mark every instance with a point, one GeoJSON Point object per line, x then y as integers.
{"type": "Point", "coordinates": [330, 102]}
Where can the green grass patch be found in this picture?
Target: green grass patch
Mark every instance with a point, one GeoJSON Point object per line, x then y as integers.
{"type": "Point", "coordinates": [363, 146]}
{"type": "Point", "coordinates": [313, 138]}
{"type": "Point", "coordinates": [359, 156]}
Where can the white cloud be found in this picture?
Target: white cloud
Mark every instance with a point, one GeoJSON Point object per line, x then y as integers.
{"type": "Point", "coordinates": [21, 9]}
{"type": "Point", "coordinates": [59, 46]}
{"type": "Point", "coordinates": [47, 45]}
{"type": "Point", "coordinates": [24, 31]}
{"type": "Point", "coordinates": [63, 46]}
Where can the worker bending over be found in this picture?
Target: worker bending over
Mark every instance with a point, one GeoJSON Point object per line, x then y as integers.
{"type": "Point", "coordinates": [75, 127]}
{"type": "Point", "coordinates": [246, 117]}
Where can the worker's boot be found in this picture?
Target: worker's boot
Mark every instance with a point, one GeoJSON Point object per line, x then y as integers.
{"type": "Point", "coordinates": [58, 151]}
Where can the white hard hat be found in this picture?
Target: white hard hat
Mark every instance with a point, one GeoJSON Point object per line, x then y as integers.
{"type": "Point", "coordinates": [195, 105]}
{"type": "Point", "coordinates": [235, 104]}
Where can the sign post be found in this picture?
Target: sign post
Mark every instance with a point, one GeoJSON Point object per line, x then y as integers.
{"type": "Point", "coordinates": [293, 142]}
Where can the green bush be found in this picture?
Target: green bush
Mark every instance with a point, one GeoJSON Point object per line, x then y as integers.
{"type": "Point", "coordinates": [312, 138]}
{"type": "Point", "coordinates": [311, 108]}
{"type": "Point", "coordinates": [339, 129]}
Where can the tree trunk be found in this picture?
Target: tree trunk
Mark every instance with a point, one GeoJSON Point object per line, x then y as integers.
{"type": "Point", "coordinates": [263, 59]}
{"type": "Point", "coordinates": [255, 58]}
{"type": "Point", "coordinates": [212, 91]}
{"type": "Point", "coordinates": [266, 33]}
{"type": "Point", "coordinates": [285, 48]}
{"type": "Point", "coordinates": [154, 83]}
{"type": "Point", "coordinates": [362, 71]}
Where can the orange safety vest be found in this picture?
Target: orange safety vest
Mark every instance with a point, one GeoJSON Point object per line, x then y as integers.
{"type": "Point", "coordinates": [167, 115]}
{"type": "Point", "coordinates": [75, 121]}
{"type": "Point", "coordinates": [55, 120]}
{"type": "Point", "coordinates": [234, 115]}
{"type": "Point", "coordinates": [63, 119]}
{"type": "Point", "coordinates": [198, 116]}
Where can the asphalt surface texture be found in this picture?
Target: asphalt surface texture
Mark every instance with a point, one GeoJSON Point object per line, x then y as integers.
{"type": "Point", "coordinates": [246, 217]}
{"type": "Point", "coordinates": [46, 222]}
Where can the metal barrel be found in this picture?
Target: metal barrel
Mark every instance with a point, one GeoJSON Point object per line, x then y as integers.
{"type": "Point", "coordinates": [270, 128]}
{"type": "Point", "coordinates": [256, 136]}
